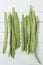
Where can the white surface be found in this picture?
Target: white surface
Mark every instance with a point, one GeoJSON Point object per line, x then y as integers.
{"type": "Point", "coordinates": [21, 6]}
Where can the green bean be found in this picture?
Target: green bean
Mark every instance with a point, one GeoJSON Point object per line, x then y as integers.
{"type": "Point", "coordinates": [36, 30]}
{"type": "Point", "coordinates": [31, 24]}
{"type": "Point", "coordinates": [6, 32]}
{"type": "Point", "coordinates": [13, 39]}
{"type": "Point", "coordinates": [28, 34]}
{"type": "Point", "coordinates": [10, 26]}
{"type": "Point", "coordinates": [14, 26]}
{"type": "Point", "coordinates": [17, 31]}
{"type": "Point", "coordinates": [33, 34]}
{"type": "Point", "coordinates": [25, 28]}
{"type": "Point", "coordinates": [23, 33]}
{"type": "Point", "coordinates": [37, 24]}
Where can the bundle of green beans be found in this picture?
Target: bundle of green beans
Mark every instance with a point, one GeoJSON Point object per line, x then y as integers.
{"type": "Point", "coordinates": [13, 21]}
{"type": "Point", "coordinates": [24, 32]}
{"type": "Point", "coordinates": [34, 32]}
{"type": "Point", "coordinates": [29, 32]}
{"type": "Point", "coordinates": [29, 29]}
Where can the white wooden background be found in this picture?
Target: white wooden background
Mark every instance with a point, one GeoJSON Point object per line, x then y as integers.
{"type": "Point", "coordinates": [21, 6]}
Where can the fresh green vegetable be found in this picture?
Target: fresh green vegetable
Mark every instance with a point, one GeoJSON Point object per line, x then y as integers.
{"type": "Point", "coordinates": [14, 39]}
{"type": "Point", "coordinates": [37, 24]}
{"type": "Point", "coordinates": [34, 33]}
{"type": "Point", "coordinates": [23, 33]}
{"type": "Point", "coordinates": [10, 26]}
{"type": "Point", "coordinates": [28, 34]}
{"type": "Point", "coordinates": [16, 28]}
{"type": "Point", "coordinates": [6, 32]}
{"type": "Point", "coordinates": [29, 29]}
{"type": "Point", "coordinates": [25, 27]}
{"type": "Point", "coordinates": [14, 32]}
{"type": "Point", "coordinates": [31, 24]}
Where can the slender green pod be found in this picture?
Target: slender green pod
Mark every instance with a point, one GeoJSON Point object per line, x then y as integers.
{"type": "Point", "coordinates": [14, 26]}
{"type": "Point", "coordinates": [6, 32]}
{"type": "Point", "coordinates": [31, 24]}
{"type": "Point", "coordinates": [33, 33]}
{"type": "Point", "coordinates": [28, 34]}
{"type": "Point", "coordinates": [10, 27]}
{"type": "Point", "coordinates": [37, 26]}
{"type": "Point", "coordinates": [36, 30]}
{"type": "Point", "coordinates": [25, 28]}
{"type": "Point", "coordinates": [18, 30]}
{"type": "Point", "coordinates": [13, 39]}
{"type": "Point", "coordinates": [23, 33]}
